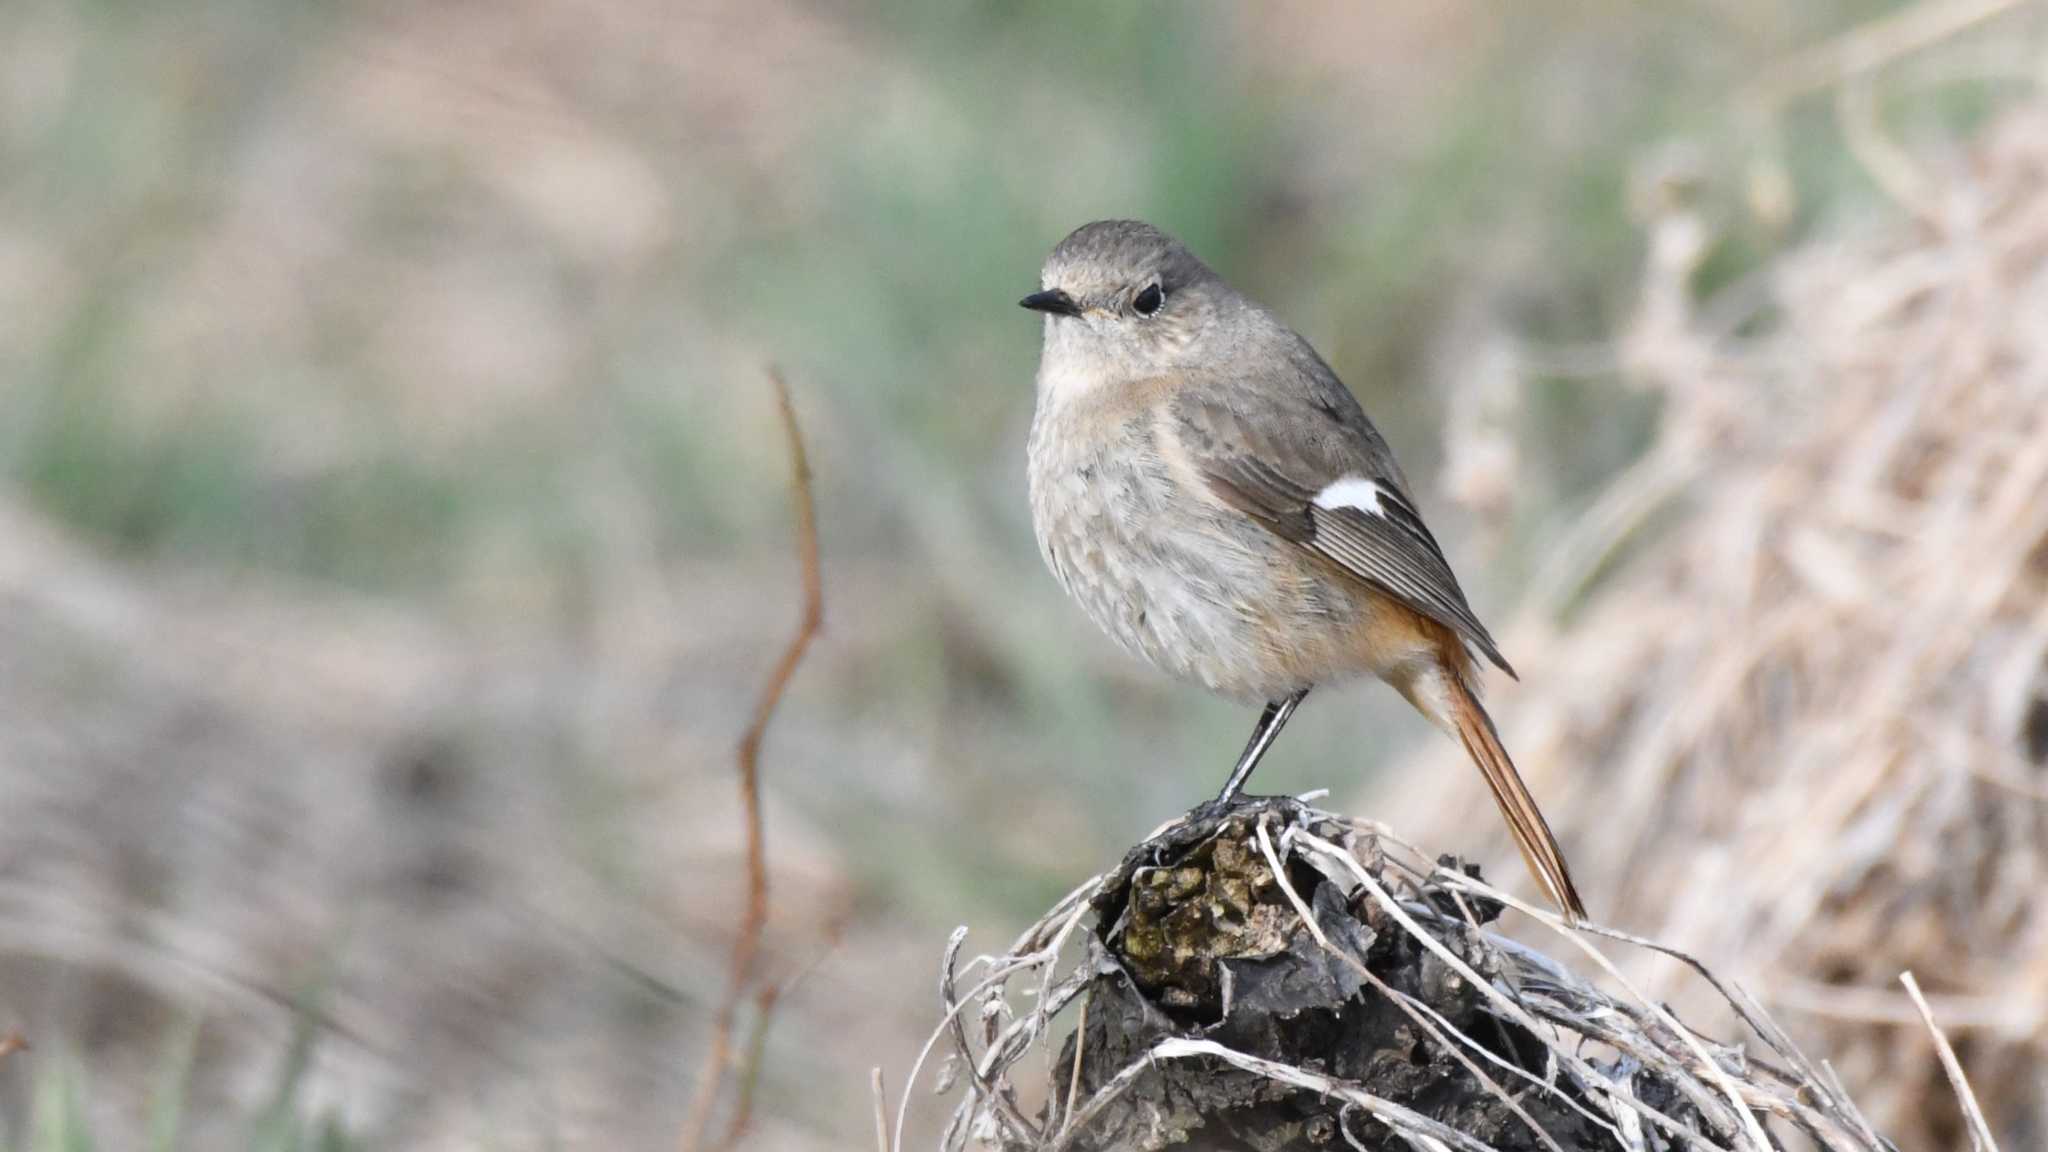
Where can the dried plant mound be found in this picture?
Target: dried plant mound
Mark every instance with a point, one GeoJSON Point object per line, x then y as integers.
{"type": "Point", "coordinates": [1279, 977]}
{"type": "Point", "coordinates": [1800, 729]}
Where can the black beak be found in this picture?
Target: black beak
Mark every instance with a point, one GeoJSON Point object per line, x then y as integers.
{"type": "Point", "coordinates": [1051, 300]}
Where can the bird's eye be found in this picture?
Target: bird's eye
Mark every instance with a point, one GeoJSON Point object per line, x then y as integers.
{"type": "Point", "coordinates": [1148, 301]}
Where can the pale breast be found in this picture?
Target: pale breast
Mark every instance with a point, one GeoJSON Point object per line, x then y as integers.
{"type": "Point", "coordinates": [1173, 576]}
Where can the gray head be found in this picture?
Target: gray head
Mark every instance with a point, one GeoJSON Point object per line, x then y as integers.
{"type": "Point", "coordinates": [1123, 298]}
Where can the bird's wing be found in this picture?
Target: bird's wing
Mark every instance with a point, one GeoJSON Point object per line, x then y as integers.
{"type": "Point", "coordinates": [1307, 464]}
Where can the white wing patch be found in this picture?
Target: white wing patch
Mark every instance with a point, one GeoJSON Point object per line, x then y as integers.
{"type": "Point", "coordinates": [1352, 492]}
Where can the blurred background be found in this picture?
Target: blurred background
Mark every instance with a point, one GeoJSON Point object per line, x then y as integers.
{"type": "Point", "coordinates": [395, 523]}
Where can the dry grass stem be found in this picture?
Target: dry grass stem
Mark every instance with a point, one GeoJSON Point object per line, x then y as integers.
{"type": "Point", "coordinates": [1873, 45]}
{"type": "Point", "coordinates": [880, 1096]}
{"type": "Point", "coordinates": [742, 972]}
{"type": "Point", "coordinates": [1980, 1132]}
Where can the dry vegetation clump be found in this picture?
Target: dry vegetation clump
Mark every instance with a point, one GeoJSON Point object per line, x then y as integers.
{"type": "Point", "coordinates": [1280, 977]}
{"type": "Point", "coordinates": [1783, 691]}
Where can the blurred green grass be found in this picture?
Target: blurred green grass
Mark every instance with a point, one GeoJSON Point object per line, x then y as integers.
{"type": "Point", "coordinates": [60, 1119]}
{"type": "Point", "coordinates": [880, 267]}
{"type": "Point", "coordinates": [938, 190]}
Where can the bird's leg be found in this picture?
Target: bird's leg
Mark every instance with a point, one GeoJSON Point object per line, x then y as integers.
{"type": "Point", "coordinates": [1271, 721]}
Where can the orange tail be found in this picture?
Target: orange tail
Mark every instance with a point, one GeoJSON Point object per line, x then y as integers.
{"type": "Point", "coordinates": [1532, 833]}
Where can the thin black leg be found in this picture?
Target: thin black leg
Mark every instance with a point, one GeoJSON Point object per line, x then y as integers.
{"type": "Point", "coordinates": [1271, 721]}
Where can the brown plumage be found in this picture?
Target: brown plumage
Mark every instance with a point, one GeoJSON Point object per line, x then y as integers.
{"type": "Point", "coordinates": [1526, 824]}
{"type": "Point", "coordinates": [1216, 500]}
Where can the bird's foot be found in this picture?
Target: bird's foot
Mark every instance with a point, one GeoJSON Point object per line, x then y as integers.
{"type": "Point", "coordinates": [1212, 812]}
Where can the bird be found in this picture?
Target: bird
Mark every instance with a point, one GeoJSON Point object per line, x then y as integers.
{"type": "Point", "coordinates": [1216, 500]}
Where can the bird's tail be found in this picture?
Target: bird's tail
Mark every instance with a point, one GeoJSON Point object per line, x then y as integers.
{"type": "Point", "coordinates": [1474, 728]}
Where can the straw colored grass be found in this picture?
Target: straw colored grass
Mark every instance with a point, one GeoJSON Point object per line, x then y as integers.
{"type": "Point", "coordinates": [1783, 686]}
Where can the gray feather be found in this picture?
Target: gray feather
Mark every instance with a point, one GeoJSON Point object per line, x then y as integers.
{"type": "Point", "coordinates": [1308, 433]}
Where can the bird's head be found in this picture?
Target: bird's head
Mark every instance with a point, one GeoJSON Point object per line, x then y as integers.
{"type": "Point", "coordinates": [1123, 299]}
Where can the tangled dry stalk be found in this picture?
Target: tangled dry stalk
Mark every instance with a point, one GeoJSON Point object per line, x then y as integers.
{"type": "Point", "coordinates": [1538, 1055]}
{"type": "Point", "coordinates": [1800, 728]}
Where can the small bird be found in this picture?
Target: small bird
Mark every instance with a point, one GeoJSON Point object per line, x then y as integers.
{"type": "Point", "coordinates": [1217, 501]}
